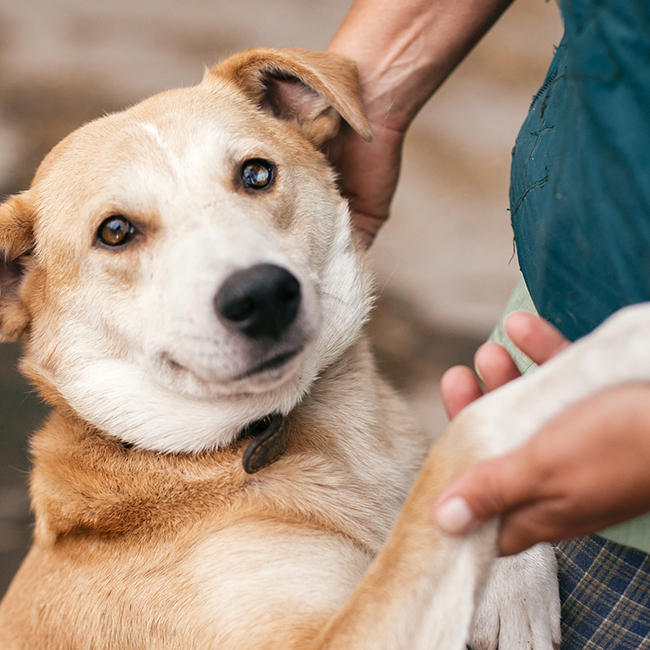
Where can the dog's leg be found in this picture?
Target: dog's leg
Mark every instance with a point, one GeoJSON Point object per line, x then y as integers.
{"type": "Point", "coordinates": [422, 590]}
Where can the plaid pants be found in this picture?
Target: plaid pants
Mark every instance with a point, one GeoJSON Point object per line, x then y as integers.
{"type": "Point", "coordinates": [605, 592]}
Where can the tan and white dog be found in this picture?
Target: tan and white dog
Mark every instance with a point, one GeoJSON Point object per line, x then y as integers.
{"type": "Point", "coordinates": [223, 466]}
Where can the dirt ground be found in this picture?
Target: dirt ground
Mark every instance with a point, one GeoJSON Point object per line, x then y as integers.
{"type": "Point", "coordinates": [444, 263]}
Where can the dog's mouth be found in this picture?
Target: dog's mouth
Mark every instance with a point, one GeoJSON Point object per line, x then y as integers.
{"type": "Point", "coordinates": [273, 363]}
{"type": "Point", "coordinates": [268, 365]}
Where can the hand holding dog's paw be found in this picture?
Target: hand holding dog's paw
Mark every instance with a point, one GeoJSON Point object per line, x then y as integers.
{"type": "Point", "coordinates": [583, 472]}
{"type": "Point", "coordinates": [520, 607]}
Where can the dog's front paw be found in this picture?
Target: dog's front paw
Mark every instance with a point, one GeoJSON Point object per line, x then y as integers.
{"type": "Point", "coordinates": [521, 604]}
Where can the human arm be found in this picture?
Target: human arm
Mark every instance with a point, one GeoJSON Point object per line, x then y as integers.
{"type": "Point", "coordinates": [584, 471]}
{"type": "Point", "coordinates": [404, 50]}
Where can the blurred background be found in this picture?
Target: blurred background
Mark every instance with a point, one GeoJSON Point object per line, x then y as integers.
{"type": "Point", "coordinates": [445, 263]}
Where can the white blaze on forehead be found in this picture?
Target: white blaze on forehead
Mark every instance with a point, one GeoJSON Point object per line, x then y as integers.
{"type": "Point", "coordinates": [170, 155]}
{"type": "Point", "coordinates": [198, 153]}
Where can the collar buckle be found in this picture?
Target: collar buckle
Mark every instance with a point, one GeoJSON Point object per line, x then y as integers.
{"type": "Point", "coordinates": [267, 445]}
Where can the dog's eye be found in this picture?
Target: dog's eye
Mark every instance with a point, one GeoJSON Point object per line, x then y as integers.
{"type": "Point", "coordinates": [257, 173]}
{"type": "Point", "coordinates": [115, 231]}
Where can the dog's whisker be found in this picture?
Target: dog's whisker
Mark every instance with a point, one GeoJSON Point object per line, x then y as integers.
{"type": "Point", "coordinates": [331, 296]}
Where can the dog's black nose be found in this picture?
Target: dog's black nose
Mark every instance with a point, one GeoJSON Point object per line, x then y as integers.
{"type": "Point", "coordinates": [261, 301]}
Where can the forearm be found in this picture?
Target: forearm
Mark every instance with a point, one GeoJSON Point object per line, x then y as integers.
{"type": "Point", "coordinates": [406, 49]}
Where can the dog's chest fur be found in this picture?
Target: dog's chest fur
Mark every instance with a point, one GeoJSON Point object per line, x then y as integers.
{"type": "Point", "coordinates": [295, 538]}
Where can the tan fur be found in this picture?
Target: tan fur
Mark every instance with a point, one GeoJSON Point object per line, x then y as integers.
{"type": "Point", "coordinates": [149, 534]}
{"type": "Point", "coordinates": [411, 553]}
{"type": "Point", "coordinates": [92, 526]}
{"type": "Point", "coordinates": [15, 245]}
{"type": "Point", "coordinates": [315, 70]}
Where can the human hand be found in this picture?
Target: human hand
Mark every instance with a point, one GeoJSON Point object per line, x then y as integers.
{"type": "Point", "coordinates": [404, 51]}
{"type": "Point", "coordinates": [534, 336]}
{"type": "Point", "coordinates": [586, 470]}
{"type": "Point", "coordinates": [367, 174]}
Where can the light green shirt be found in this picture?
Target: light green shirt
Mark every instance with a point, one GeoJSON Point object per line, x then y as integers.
{"type": "Point", "coordinates": [634, 533]}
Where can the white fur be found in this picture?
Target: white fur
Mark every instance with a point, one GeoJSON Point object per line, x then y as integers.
{"type": "Point", "coordinates": [161, 342]}
{"type": "Point", "coordinates": [304, 589]}
{"type": "Point", "coordinates": [520, 607]}
{"type": "Point", "coordinates": [456, 584]}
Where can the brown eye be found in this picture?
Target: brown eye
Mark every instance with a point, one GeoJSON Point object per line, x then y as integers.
{"type": "Point", "coordinates": [257, 173]}
{"type": "Point", "coordinates": [115, 231]}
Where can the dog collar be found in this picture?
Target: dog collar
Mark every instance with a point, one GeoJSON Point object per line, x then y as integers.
{"type": "Point", "coordinates": [267, 444]}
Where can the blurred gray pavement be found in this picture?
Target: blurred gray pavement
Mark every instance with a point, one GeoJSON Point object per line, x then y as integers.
{"type": "Point", "coordinates": [444, 263]}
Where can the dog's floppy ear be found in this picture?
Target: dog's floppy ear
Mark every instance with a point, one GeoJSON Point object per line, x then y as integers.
{"type": "Point", "coordinates": [310, 88]}
{"type": "Point", "coordinates": [16, 243]}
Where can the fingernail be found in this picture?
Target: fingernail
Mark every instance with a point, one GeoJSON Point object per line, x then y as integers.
{"type": "Point", "coordinates": [454, 516]}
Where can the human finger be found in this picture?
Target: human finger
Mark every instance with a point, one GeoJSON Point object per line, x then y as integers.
{"type": "Point", "coordinates": [584, 471]}
{"type": "Point", "coordinates": [367, 174]}
{"type": "Point", "coordinates": [459, 387]}
{"type": "Point", "coordinates": [494, 365]}
{"type": "Point", "coordinates": [534, 336]}
{"type": "Point", "coordinates": [489, 489]}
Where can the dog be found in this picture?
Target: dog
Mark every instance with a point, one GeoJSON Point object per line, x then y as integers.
{"type": "Point", "coordinates": [223, 466]}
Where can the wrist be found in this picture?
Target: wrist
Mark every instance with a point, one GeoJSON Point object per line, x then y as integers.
{"type": "Point", "coordinates": [406, 50]}
{"type": "Point", "coordinates": [395, 71]}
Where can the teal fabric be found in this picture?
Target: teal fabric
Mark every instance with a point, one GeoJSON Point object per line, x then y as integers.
{"type": "Point", "coordinates": [580, 208]}
{"type": "Point", "coordinates": [580, 184]}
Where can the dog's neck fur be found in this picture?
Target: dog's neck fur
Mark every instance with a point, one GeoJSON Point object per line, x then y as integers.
{"type": "Point", "coordinates": [119, 492]}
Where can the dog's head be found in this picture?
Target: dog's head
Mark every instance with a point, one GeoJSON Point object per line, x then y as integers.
{"type": "Point", "coordinates": [186, 266]}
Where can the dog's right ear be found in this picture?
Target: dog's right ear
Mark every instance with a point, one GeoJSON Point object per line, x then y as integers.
{"type": "Point", "coordinates": [16, 243]}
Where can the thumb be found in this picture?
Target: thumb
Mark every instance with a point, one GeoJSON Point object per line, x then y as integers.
{"type": "Point", "coordinates": [489, 489]}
